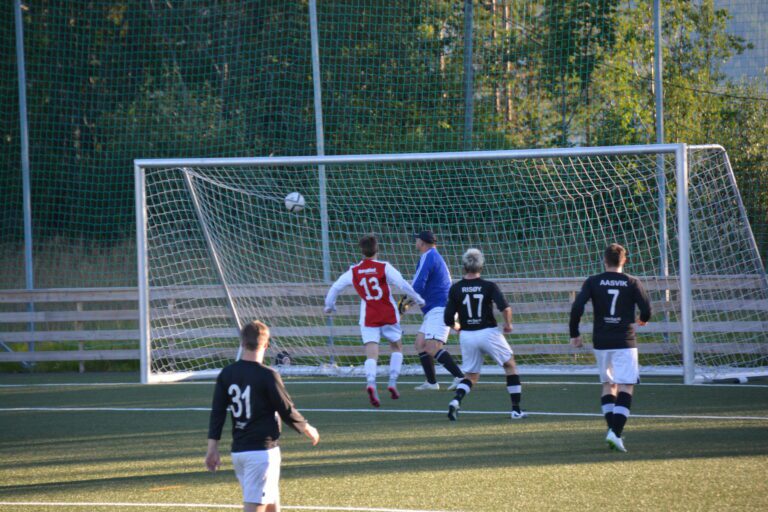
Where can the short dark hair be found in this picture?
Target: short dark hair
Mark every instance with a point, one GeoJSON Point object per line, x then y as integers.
{"type": "Point", "coordinates": [615, 255]}
{"type": "Point", "coordinates": [369, 245]}
{"type": "Point", "coordinates": [255, 335]}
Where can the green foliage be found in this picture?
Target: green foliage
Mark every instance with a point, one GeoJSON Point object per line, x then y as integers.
{"type": "Point", "coordinates": [701, 104]}
{"type": "Point", "coordinates": [110, 81]}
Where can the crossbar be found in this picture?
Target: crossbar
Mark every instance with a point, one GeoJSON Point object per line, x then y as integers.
{"type": "Point", "coordinates": [457, 156]}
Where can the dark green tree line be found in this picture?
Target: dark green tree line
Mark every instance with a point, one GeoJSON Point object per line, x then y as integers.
{"type": "Point", "coordinates": [110, 81]}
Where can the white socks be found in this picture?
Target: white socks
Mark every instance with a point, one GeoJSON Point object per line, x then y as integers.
{"type": "Point", "coordinates": [370, 371]}
{"type": "Point", "coordinates": [395, 364]}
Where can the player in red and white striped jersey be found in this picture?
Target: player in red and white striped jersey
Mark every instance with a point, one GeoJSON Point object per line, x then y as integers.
{"type": "Point", "coordinates": [378, 311]}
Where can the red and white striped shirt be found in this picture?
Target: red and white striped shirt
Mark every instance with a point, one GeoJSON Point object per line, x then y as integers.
{"type": "Point", "coordinates": [371, 279]}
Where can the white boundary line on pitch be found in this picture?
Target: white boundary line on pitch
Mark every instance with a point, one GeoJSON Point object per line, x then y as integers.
{"type": "Point", "coordinates": [74, 384]}
{"type": "Point", "coordinates": [357, 381]}
{"type": "Point", "coordinates": [542, 383]}
{"type": "Point", "coordinates": [381, 411]}
{"type": "Point", "coordinates": [194, 505]}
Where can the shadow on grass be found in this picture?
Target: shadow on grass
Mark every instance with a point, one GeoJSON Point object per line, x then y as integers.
{"type": "Point", "coordinates": [396, 447]}
{"type": "Point", "coordinates": [129, 452]}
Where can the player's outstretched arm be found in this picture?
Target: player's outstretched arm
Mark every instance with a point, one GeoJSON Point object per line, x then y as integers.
{"type": "Point", "coordinates": [404, 304]}
{"type": "Point", "coordinates": [396, 278]}
{"type": "Point", "coordinates": [336, 288]}
{"type": "Point", "coordinates": [283, 405]}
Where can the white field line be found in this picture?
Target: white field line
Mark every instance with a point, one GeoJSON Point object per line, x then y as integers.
{"type": "Point", "coordinates": [74, 384]}
{"type": "Point", "coordinates": [198, 506]}
{"type": "Point", "coordinates": [382, 411]}
{"type": "Point", "coordinates": [358, 382]}
{"type": "Point", "coordinates": [538, 383]}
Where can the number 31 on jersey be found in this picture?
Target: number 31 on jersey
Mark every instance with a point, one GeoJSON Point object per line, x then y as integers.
{"type": "Point", "coordinates": [241, 401]}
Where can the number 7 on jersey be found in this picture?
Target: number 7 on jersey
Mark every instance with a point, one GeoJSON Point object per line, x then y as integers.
{"type": "Point", "coordinates": [615, 293]}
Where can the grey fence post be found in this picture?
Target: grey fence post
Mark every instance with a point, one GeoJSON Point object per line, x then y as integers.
{"type": "Point", "coordinates": [468, 76]}
{"type": "Point", "coordinates": [658, 89]}
{"type": "Point", "coordinates": [25, 180]}
{"type": "Point", "coordinates": [320, 135]}
{"type": "Point", "coordinates": [684, 241]}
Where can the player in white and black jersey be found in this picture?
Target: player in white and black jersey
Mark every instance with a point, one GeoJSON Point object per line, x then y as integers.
{"type": "Point", "coordinates": [255, 396]}
{"type": "Point", "coordinates": [614, 296]}
{"type": "Point", "coordinates": [473, 299]}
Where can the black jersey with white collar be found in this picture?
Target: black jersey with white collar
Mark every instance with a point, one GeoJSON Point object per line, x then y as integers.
{"type": "Point", "coordinates": [255, 396]}
{"type": "Point", "coordinates": [614, 296]}
{"type": "Point", "coordinates": [473, 300]}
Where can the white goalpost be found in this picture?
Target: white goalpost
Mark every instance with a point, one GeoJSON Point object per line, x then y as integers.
{"type": "Point", "coordinates": [218, 247]}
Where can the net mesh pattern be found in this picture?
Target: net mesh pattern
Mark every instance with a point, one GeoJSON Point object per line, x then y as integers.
{"type": "Point", "coordinates": [542, 224]}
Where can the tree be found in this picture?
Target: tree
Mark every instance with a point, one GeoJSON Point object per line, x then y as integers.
{"type": "Point", "coordinates": [701, 104]}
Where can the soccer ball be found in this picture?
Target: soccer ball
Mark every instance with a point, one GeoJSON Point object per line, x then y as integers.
{"type": "Point", "coordinates": [294, 202]}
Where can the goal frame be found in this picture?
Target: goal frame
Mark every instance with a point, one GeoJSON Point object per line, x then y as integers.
{"type": "Point", "coordinates": [678, 151]}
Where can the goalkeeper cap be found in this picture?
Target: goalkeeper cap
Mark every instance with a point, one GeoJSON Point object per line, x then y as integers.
{"type": "Point", "coordinates": [426, 236]}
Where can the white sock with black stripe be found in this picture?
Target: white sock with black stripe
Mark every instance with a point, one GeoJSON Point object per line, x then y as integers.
{"type": "Point", "coordinates": [463, 389]}
{"type": "Point", "coordinates": [621, 412]}
{"type": "Point", "coordinates": [515, 390]}
{"type": "Point", "coordinates": [607, 404]}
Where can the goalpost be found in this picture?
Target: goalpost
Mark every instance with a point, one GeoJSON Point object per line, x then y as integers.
{"type": "Point", "coordinates": [217, 247]}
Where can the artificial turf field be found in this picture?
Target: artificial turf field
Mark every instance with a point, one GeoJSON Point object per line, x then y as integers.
{"type": "Point", "coordinates": [130, 447]}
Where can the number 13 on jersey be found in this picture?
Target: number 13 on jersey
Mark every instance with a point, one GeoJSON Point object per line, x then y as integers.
{"type": "Point", "coordinates": [369, 284]}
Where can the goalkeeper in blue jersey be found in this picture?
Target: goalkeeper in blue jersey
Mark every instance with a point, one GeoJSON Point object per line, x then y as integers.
{"type": "Point", "coordinates": [432, 281]}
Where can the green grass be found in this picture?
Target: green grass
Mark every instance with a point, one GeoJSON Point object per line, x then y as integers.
{"type": "Point", "coordinates": [395, 460]}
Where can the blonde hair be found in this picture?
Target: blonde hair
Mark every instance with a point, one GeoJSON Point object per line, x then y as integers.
{"type": "Point", "coordinates": [473, 261]}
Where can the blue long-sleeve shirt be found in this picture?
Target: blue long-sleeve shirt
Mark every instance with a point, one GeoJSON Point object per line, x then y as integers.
{"type": "Point", "coordinates": [432, 280]}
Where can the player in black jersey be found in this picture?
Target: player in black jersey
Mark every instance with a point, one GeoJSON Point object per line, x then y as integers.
{"type": "Point", "coordinates": [614, 296]}
{"type": "Point", "coordinates": [254, 395]}
{"type": "Point", "coordinates": [473, 298]}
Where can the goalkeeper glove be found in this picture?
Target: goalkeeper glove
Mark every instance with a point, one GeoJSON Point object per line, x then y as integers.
{"type": "Point", "coordinates": [404, 304]}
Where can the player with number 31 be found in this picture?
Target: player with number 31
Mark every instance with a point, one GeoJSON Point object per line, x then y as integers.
{"type": "Point", "coordinates": [256, 398]}
{"type": "Point", "coordinates": [378, 311]}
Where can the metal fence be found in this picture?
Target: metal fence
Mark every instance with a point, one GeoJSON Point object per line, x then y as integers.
{"type": "Point", "coordinates": [88, 86]}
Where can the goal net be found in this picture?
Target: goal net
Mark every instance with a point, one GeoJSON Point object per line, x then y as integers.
{"type": "Point", "coordinates": [218, 248]}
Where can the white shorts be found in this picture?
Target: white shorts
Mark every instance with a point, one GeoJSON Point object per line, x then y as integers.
{"type": "Point", "coordinates": [476, 344]}
{"type": "Point", "coordinates": [259, 474]}
{"type": "Point", "coordinates": [618, 366]}
{"type": "Point", "coordinates": [433, 327]}
{"type": "Point", "coordinates": [391, 332]}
